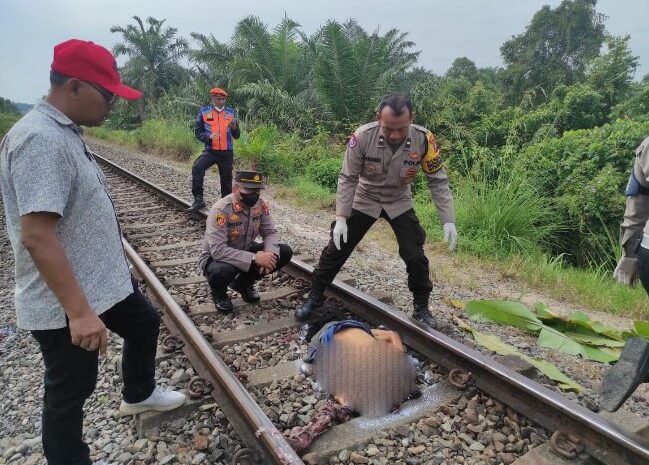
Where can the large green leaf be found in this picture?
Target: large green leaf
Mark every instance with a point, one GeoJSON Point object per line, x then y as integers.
{"type": "Point", "coordinates": [577, 322]}
{"type": "Point", "coordinates": [598, 341]}
{"type": "Point", "coordinates": [642, 328]}
{"type": "Point", "coordinates": [553, 339]}
{"type": "Point", "coordinates": [504, 312]}
{"type": "Point", "coordinates": [497, 345]}
{"type": "Point", "coordinates": [518, 315]}
{"type": "Point", "coordinates": [585, 321]}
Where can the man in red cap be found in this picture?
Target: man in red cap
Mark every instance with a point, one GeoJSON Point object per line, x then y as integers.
{"type": "Point", "coordinates": [216, 126]}
{"type": "Point", "coordinates": [72, 277]}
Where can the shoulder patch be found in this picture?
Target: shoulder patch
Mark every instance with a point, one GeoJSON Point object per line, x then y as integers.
{"type": "Point", "coordinates": [353, 141]}
{"type": "Point", "coordinates": [265, 209]}
{"type": "Point", "coordinates": [432, 160]}
{"type": "Point", "coordinates": [220, 220]}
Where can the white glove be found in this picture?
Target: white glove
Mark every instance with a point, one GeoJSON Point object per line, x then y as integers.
{"type": "Point", "coordinates": [340, 229]}
{"type": "Point", "coordinates": [626, 271]}
{"type": "Point", "coordinates": [450, 235]}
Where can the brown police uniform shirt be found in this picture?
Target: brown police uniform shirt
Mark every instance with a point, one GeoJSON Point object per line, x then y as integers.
{"type": "Point", "coordinates": [374, 178]}
{"type": "Point", "coordinates": [637, 207]}
{"type": "Point", "coordinates": [232, 227]}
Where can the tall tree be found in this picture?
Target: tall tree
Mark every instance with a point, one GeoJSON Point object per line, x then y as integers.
{"type": "Point", "coordinates": [554, 49]}
{"type": "Point", "coordinates": [154, 54]}
{"type": "Point", "coordinates": [463, 67]}
{"type": "Point", "coordinates": [612, 72]}
{"type": "Point", "coordinates": [354, 68]}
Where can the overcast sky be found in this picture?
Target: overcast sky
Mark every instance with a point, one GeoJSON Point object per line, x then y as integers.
{"type": "Point", "coordinates": [442, 29]}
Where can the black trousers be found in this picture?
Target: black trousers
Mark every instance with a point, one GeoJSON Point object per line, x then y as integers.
{"type": "Point", "coordinates": [221, 274]}
{"type": "Point", "coordinates": [71, 375]}
{"type": "Point", "coordinates": [410, 237]}
{"type": "Point", "coordinates": [221, 158]}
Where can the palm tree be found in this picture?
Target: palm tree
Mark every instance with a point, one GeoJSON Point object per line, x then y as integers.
{"type": "Point", "coordinates": [154, 54]}
{"type": "Point", "coordinates": [353, 68]}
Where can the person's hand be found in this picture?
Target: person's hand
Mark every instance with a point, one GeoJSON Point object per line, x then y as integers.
{"type": "Point", "coordinates": [340, 230]}
{"type": "Point", "coordinates": [626, 271]}
{"type": "Point", "coordinates": [450, 236]}
{"type": "Point", "coordinates": [89, 332]}
{"type": "Point", "coordinates": [265, 260]}
{"type": "Point", "coordinates": [391, 337]}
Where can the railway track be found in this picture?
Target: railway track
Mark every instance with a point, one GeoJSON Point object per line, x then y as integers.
{"type": "Point", "coordinates": [162, 244]}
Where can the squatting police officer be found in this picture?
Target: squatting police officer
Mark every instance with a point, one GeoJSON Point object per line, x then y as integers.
{"type": "Point", "coordinates": [381, 161]}
{"type": "Point", "coordinates": [230, 256]}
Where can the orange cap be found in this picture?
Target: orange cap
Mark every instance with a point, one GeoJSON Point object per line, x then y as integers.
{"type": "Point", "coordinates": [218, 91]}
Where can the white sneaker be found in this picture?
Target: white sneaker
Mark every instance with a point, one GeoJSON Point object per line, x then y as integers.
{"type": "Point", "coordinates": [160, 400]}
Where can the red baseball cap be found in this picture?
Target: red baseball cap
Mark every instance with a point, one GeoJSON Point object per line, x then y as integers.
{"type": "Point", "coordinates": [218, 91]}
{"type": "Point", "coordinates": [88, 61]}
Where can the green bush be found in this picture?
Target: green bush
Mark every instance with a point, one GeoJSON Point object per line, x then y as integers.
{"type": "Point", "coordinates": [324, 172]}
{"type": "Point", "coordinates": [585, 173]}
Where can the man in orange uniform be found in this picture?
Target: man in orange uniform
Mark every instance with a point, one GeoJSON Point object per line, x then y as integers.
{"type": "Point", "coordinates": [216, 126]}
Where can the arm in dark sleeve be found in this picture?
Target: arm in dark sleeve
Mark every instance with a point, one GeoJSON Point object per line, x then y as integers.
{"type": "Point", "coordinates": [199, 129]}
{"type": "Point", "coordinates": [236, 132]}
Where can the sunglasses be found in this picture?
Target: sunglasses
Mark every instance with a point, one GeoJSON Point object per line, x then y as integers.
{"type": "Point", "coordinates": [108, 96]}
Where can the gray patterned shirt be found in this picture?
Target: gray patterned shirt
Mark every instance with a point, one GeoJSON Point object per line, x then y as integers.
{"type": "Point", "coordinates": [44, 168]}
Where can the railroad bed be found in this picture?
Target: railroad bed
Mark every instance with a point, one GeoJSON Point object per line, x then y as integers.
{"type": "Point", "coordinates": [249, 362]}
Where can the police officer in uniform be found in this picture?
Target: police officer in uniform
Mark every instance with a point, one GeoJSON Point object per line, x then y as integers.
{"type": "Point", "coordinates": [632, 368]}
{"type": "Point", "coordinates": [216, 126]}
{"type": "Point", "coordinates": [229, 255]}
{"type": "Point", "coordinates": [381, 161]}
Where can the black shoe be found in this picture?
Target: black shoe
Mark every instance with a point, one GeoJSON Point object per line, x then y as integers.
{"type": "Point", "coordinates": [632, 369]}
{"type": "Point", "coordinates": [247, 290]}
{"type": "Point", "coordinates": [422, 313]}
{"type": "Point", "coordinates": [222, 302]}
{"type": "Point", "coordinates": [197, 205]}
{"type": "Point", "coordinates": [314, 301]}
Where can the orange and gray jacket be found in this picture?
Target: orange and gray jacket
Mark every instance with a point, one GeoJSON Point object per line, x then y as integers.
{"type": "Point", "coordinates": [374, 178]}
{"type": "Point", "coordinates": [231, 228]}
{"type": "Point", "coordinates": [212, 127]}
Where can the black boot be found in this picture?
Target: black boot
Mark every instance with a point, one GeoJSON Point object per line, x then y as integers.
{"type": "Point", "coordinates": [421, 312]}
{"type": "Point", "coordinates": [197, 205]}
{"type": "Point", "coordinates": [246, 287]}
{"type": "Point", "coordinates": [623, 378]}
{"type": "Point", "coordinates": [221, 300]}
{"type": "Point", "coordinates": [314, 301]}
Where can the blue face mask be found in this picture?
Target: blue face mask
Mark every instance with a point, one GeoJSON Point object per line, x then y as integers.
{"type": "Point", "coordinates": [249, 199]}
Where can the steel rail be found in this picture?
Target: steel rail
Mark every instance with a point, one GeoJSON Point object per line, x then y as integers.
{"type": "Point", "coordinates": [252, 424]}
{"type": "Point", "coordinates": [603, 440]}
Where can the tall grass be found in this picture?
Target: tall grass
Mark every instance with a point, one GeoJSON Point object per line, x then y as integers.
{"type": "Point", "coordinates": [168, 138]}
{"type": "Point", "coordinates": [498, 215]}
